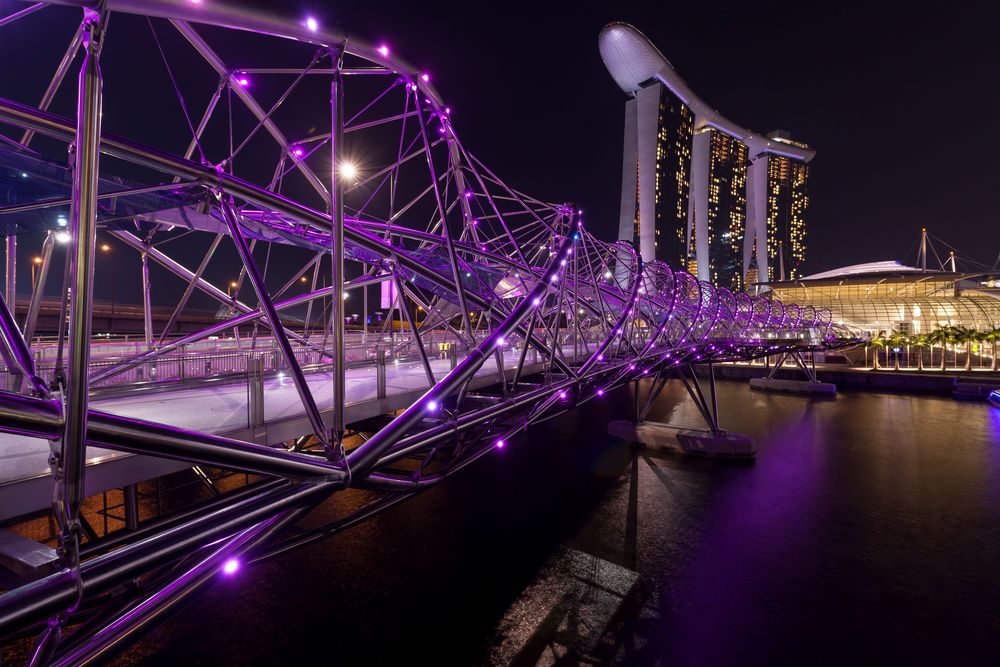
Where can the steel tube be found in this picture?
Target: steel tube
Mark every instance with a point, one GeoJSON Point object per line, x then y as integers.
{"type": "Point", "coordinates": [337, 248]}
{"type": "Point", "coordinates": [31, 321]}
{"type": "Point", "coordinates": [83, 222]}
{"type": "Point", "coordinates": [40, 598]}
{"type": "Point", "coordinates": [266, 305]}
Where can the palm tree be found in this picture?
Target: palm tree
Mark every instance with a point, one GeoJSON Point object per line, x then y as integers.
{"type": "Point", "coordinates": [896, 339]}
{"type": "Point", "coordinates": [878, 342]}
{"type": "Point", "coordinates": [938, 337]}
{"type": "Point", "coordinates": [920, 341]}
{"type": "Point", "coordinates": [968, 336]}
{"type": "Point", "coordinates": [992, 336]}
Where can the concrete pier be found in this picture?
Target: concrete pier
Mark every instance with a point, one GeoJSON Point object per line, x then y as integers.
{"type": "Point", "coordinates": [662, 437]}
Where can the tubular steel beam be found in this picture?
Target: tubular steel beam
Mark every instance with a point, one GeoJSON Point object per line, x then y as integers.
{"type": "Point", "coordinates": [267, 306]}
{"type": "Point", "coordinates": [337, 248]}
{"type": "Point", "coordinates": [83, 226]}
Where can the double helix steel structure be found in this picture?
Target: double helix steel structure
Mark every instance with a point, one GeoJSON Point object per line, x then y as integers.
{"type": "Point", "coordinates": [328, 165]}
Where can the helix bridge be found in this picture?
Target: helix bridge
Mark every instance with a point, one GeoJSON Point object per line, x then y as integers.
{"type": "Point", "coordinates": [331, 170]}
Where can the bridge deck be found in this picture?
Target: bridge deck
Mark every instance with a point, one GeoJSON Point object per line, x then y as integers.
{"type": "Point", "coordinates": [221, 409]}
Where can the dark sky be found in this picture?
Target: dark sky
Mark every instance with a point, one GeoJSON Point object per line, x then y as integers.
{"type": "Point", "coordinates": [900, 104]}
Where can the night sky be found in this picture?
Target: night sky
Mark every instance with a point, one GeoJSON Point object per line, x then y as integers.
{"type": "Point", "coordinates": [899, 105]}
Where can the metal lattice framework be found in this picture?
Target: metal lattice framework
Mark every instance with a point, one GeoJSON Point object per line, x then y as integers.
{"type": "Point", "coordinates": [352, 163]}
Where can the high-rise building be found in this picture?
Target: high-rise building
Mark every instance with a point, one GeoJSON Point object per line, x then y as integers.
{"type": "Point", "coordinates": [697, 189]}
{"type": "Point", "coordinates": [725, 219]}
{"type": "Point", "coordinates": [656, 174]}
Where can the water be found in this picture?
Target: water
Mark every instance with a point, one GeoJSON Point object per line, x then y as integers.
{"type": "Point", "coordinates": [867, 531]}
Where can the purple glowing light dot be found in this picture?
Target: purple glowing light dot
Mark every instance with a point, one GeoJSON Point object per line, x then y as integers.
{"type": "Point", "coordinates": [536, 302]}
{"type": "Point", "coordinates": [500, 444]}
{"type": "Point", "coordinates": [243, 81]}
{"type": "Point", "coordinates": [432, 406]}
{"type": "Point", "coordinates": [425, 77]}
{"type": "Point", "coordinates": [231, 566]}
{"type": "Point", "coordinates": [312, 24]}
{"type": "Point", "coordinates": [600, 357]}
{"type": "Point", "coordinates": [475, 222]}
{"type": "Point", "coordinates": [562, 394]}
{"type": "Point", "coordinates": [447, 111]}
{"type": "Point", "coordinates": [383, 51]}
{"type": "Point", "coordinates": [297, 151]}
{"type": "Point", "coordinates": [600, 392]}
{"type": "Point", "coordinates": [468, 194]}
{"type": "Point", "coordinates": [501, 340]}
{"type": "Point", "coordinates": [631, 367]}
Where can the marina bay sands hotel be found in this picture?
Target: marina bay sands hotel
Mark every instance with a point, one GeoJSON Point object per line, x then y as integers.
{"type": "Point", "coordinates": [698, 191]}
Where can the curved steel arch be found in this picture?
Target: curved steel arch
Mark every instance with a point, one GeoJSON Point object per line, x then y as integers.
{"type": "Point", "coordinates": [498, 274]}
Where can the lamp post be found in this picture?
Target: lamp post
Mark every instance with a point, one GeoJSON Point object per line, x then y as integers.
{"type": "Point", "coordinates": [36, 261]}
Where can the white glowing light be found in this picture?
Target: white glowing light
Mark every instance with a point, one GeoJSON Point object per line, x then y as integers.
{"type": "Point", "coordinates": [63, 237]}
{"type": "Point", "coordinates": [383, 51]}
{"type": "Point", "coordinates": [348, 170]}
{"type": "Point", "coordinates": [312, 24]}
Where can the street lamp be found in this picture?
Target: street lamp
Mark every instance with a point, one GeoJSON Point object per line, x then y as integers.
{"type": "Point", "coordinates": [35, 261]}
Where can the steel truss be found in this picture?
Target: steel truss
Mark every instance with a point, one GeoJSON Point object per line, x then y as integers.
{"type": "Point", "coordinates": [383, 192]}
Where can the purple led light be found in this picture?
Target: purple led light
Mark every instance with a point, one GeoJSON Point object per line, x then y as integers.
{"type": "Point", "coordinates": [500, 444]}
{"type": "Point", "coordinates": [425, 77]}
{"type": "Point", "coordinates": [312, 24]}
{"type": "Point", "coordinates": [600, 392]}
{"type": "Point", "coordinates": [231, 566]}
{"type": "Point", "coordinates": [536, 301]}
{"type": "Point", "coordinates": [432, 406]}
{"type": "Point", "coordinates": [297, 151]}
{"type": "Point", "coordinates": [562, 394]}
{"type": "Point", "coordinates": [600, 357]}
{"type": "Point", "coordinates": [383, 51]}
{"type": "Point", "coordinates": [468, 194]}
{"type": "Point", "coordinates": [501, 340]}
{"type": "Point", "coordinates": [242, 80]}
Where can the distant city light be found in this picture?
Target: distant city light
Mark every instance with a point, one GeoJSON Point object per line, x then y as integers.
{"type": "Point", "coordinates": [37, 260]}
{"type": "Point", "coordinates": [105, 247]}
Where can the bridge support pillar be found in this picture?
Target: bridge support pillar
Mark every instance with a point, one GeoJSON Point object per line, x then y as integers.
{"type": "Point", "coordinates": [811, 385]}
{"type": "Point", "coordinates": [715, 442]}
{"type": "Point", "coordinates": [380, 375]}
{"type": "Point", "coordinates": [255, 392]}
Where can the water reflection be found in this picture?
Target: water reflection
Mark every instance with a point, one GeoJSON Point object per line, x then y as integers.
{"type": "Point", "coordinates": [866, 531]}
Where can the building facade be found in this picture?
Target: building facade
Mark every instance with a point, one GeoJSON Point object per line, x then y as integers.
{"type": "Point", "coordinates": [697, 189]}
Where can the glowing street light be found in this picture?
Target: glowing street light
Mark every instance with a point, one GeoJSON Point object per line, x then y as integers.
{"type": "Point", "coordinates": [105, 247]}
{"type": "Point", "coordinates": [348, 171]}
